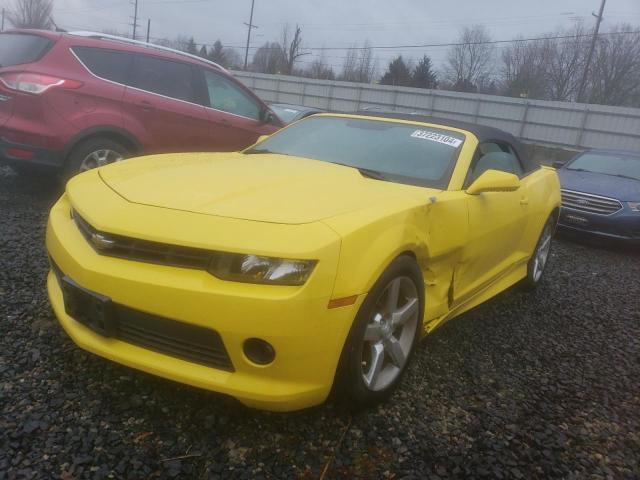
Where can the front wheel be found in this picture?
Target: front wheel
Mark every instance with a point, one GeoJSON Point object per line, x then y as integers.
{"type": "Point", "coordinates": [384, 334]}
{"type": "Point", "coordinates": [540, 257]}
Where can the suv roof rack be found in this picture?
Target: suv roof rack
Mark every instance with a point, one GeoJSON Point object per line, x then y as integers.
{"type": "Point", "coordinates": [88, 34]}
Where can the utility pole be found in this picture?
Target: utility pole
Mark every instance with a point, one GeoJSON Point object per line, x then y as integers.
{"type": "Point", "coordinates": [2, 20]}
{"type": "Point", "coordinates": [250, 26]}
{"type": "Point", "coordinates": [148, 28]}
{"type": "Point", "coordinates": [135, 17]}
{"type": "Point", "coordinates": [592, 47]}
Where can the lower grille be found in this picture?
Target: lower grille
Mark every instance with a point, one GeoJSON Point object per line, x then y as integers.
{"type": "Point", "coordinates": [586, 202]}
{"type": "Point", "coordinates": [177, 339]}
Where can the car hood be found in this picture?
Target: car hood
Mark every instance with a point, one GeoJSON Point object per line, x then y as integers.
{"type": "Point", "coordinates": [265, 187]}
{"type": "Point", "coordinates": [625, 189]}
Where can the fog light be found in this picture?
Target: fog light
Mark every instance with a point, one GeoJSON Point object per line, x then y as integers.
{"type": "Point", "coordinates": [259, 351]}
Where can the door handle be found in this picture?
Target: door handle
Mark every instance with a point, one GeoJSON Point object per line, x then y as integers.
{"type": "Point", "coordinates": [225, 123]}
{"type": "Point", "coordinates": [524, 201]}
{"type": "Point", "coordinates": [146, 105]}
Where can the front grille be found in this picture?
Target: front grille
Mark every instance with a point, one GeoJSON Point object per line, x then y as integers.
{"type": "Point", "coordinates": [586, 202]}
{"type": "Point", "coordinates": [142, 250]}
{"type": "Point", "coordinates": [176, 339]}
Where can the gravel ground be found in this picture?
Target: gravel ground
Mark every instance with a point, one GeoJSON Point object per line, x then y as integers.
{"type": "Point", "coordinates": [540, 385]}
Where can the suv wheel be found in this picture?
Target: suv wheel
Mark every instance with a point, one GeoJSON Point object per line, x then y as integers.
{"type": "Point", "coordinates": [94, 153]}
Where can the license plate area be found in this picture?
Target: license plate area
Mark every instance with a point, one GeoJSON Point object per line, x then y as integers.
{"type": "Point", "coordinates": [91, 309]}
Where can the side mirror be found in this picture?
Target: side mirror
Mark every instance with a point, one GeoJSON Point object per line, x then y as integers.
{"type": "Point", "coordinates": [494, 181]}
{"type": "Point", "coordinates": [268, 117]}
{"type": "Point", "coordinates": [558, 165]}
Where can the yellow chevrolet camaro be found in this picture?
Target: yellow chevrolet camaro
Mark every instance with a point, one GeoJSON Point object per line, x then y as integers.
{"type": "Point", "coordinates": [312, 261]}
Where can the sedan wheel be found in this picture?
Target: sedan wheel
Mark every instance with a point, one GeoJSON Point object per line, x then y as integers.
{"type": "Point", "coordinates": [390, 334]}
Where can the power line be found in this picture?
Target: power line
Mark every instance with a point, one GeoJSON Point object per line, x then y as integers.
{"type": "Point", "coordinates": [437, 45]}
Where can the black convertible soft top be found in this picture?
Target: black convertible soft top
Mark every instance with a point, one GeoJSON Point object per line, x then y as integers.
{"type": "Point", "coordinates": [482, 132]}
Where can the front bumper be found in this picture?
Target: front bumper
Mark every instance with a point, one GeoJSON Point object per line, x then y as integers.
{"type": "Point", "coordinates": [623, 226]}
{"type": "Point", "coordinates": [307, 336]}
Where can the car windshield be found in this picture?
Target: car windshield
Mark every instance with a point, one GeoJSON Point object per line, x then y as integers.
{"type": "Point", "coordinates": [400, 152]}
{"type": "Point", "coordinates": [608, 163]}
{"type": "Point", "coordinates": [286, 113]}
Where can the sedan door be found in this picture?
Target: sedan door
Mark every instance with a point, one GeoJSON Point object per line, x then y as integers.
{"type": "Point", "coordinates": [161, 106]}
{"type": "Point", "coordinates": [235, 114]}
{"type": "Point", "coordinates": [497, 222]}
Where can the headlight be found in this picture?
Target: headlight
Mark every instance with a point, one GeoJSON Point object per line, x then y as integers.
{"type": "Point", "coordinates": [256, 269]}
{"type": "Point", "coordinates": [635, 206]}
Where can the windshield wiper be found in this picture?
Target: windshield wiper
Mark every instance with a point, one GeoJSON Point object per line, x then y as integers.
{"type": "Point", "coordinates": [368, 173]}
{"type": "Point", "coordinates": [258, 151]}
{"type": "Point", "coordinates": [365, 172]}
{"type": "Point", "coordinates": [622, 176]}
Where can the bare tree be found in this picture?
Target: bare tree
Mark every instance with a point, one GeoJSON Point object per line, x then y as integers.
{"type": "Point", "coordinates": [367, 65]}
{"type": "Point", "coordinates": [349, 67]}
{"type": "Point", "coordinates": [181, 42]}
{"type": "Point", "coordinates": [269, 58]}
{"type": "Point", "coordinates": [564, 62]}
{"type": "Point", "coordinates": [31, 14]}
{"type": "Point", "coordinates": [523, 70]}
{"type": "Point", "coordinates": [320, 69]}
{"type": "Point", "coordinates": [615, 69]}
{"type": "Point", "coordinates": [471, 59]}
{"type": "Point", "coordinates": [291, 49]}
{"type": "Point", "coordinates": [359, 64]}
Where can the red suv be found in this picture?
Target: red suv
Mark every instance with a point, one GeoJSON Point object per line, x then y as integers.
{"type": "Point", "coordinates": [74, 101]}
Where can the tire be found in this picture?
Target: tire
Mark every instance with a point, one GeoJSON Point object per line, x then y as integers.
{"type": "Point", "coordinates": [540, 258]}
{"type": "Point", "coordinates": [376, 336]}
{"type": "Point", "coordinates": [92, 153]}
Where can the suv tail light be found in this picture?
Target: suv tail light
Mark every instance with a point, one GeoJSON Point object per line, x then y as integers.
{"type": "Point", "coordinates": [35, 83]}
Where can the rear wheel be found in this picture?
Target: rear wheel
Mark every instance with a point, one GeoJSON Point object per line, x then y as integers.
{"type": "Point", "coordinates": [94, 153]}
{"type": "Point", "coordinates": [540, 257]}
{"type": "Point", "coordinates": [384, 334]}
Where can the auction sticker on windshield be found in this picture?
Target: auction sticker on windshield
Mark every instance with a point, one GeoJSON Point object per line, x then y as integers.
{"type": "Point", "coordinates": [437, 137]}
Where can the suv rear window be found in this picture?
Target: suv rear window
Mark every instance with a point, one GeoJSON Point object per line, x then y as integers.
{"type": "Point", "coordinates": [111, 65]}
{"type": "Point", "coordinates": [19, 48]}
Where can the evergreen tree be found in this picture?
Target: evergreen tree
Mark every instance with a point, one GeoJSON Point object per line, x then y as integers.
{"type": "Point", "coordinates": [423, 75]}
{"type": "Point", "coordinates": [192, 48]}
{"type": "Point", "coordinates": [398, 73]}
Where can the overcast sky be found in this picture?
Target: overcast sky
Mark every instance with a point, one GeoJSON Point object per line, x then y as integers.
{"type": "Point", "coordinates": [341, 23]}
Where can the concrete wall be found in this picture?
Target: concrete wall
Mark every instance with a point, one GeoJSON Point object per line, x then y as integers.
{"type": "Point", "coordinates": [554, 124]}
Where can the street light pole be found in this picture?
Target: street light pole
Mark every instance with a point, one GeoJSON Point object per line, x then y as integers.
{"type": "Point", "coordinates": [250, 26]}
{"type": "Point", "coordinates": [592, 47]}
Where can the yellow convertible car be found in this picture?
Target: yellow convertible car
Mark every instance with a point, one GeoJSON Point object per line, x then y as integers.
{"type": "Point", "coordinates": [309, 263]}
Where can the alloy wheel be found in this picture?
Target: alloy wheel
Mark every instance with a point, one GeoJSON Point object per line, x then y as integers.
{"type": "Point", "coordinates": [390, 333]}
{"type": "Point", "coordinates": [99, 158]}
{"type": "Point", "coordinates": [541, 254]}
